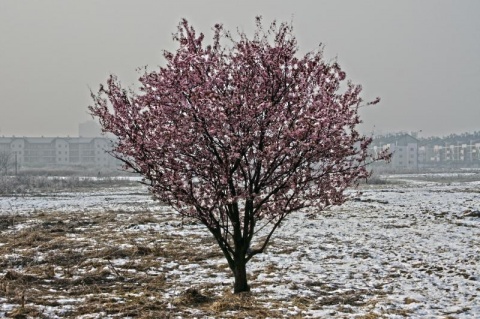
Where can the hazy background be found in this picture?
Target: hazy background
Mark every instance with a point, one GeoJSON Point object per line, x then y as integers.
{"type": "Point", "coordinates": [421, 57]}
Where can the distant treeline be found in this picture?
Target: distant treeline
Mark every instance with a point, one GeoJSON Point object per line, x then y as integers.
{"type": "Point", "coordinates": [463, 138]}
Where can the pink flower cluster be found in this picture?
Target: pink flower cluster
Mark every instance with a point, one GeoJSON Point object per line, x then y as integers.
{"type": "Point", "coordinates": [239, 131]}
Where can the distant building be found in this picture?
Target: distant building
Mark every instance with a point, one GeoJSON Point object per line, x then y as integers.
{"type": "Point", "coordinates": [47, 151]}
{"type": "Point", "coordinates": [456, 153]}
{"type": "Point", "coordinates": [404, 149]}
{"type": "Point", "coordinates": [453, 151]}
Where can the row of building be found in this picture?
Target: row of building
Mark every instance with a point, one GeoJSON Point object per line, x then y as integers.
{"type": "Point", "coordinates": [58, 151]}
{"type": "Point", "coordinates": [410, 153]}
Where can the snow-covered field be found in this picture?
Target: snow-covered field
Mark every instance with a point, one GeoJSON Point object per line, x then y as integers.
{"type": "Point", "coordinates": [399, 250]}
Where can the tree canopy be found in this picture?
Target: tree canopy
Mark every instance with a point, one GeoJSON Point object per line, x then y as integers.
{"type": "Point", "coordinates": [240, 133]}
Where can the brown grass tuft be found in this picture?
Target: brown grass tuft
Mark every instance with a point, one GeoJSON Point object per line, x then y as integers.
{"type": "Point", "coordinates": [191, 296]}
{"type": "Point", "coordinates": [233, 302]}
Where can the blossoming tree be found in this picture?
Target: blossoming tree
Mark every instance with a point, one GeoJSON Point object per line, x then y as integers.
{"type": "Point", "coordinates": [239, 134]}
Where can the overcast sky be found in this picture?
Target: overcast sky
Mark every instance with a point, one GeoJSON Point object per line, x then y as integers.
{"type": "Point", "coordinates": [421, 57]}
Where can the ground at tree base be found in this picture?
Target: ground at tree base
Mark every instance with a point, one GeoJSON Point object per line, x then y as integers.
{"type": "Point", "coordinates": [406, 249]}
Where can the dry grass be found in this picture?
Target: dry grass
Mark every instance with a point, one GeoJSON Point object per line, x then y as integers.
{"type": "Point", "coordinates": [118, 264]}
{"type": "Point", "coordinates": [191, 297]}
{"type": "Point", "coordinates": [351, 297]}
{"type": "Point", "coordinates": [54, 261]}
{"type": "Point", "coordinates": [241, 306]}
{"type": "Point", "coordinates": [408, 300]}
{"type": "Point", "coordinates": [98, 264]}
{"type": "Point", "coordinates": [370, 315]}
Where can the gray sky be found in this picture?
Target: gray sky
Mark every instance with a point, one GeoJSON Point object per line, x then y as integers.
{"type": "Point", "coordinates": [421, 57]}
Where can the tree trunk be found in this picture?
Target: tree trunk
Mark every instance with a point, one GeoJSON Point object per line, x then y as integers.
{"type": "Point", "coordinates": [240, 272]}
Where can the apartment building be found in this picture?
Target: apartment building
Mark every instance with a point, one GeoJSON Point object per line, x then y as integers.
{"type": "Point", "coordinates": [451, 153]}
{"type": "Point", "coordinates": [404, 149]}
{"type": "Point", "coordinates": [410, 153]}
{"type": "Point", "coordinates": [55, 151]}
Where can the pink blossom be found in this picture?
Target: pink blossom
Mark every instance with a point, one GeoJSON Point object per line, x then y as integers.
{"type": "Point", "coordinates": [239, 136]}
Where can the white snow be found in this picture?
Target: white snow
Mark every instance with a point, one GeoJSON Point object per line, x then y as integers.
{"type": "Point", "coordinates": [401, 247]}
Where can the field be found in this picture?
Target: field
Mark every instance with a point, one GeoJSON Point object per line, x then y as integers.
{"type": "Point", "coordinates": [406, 246]}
